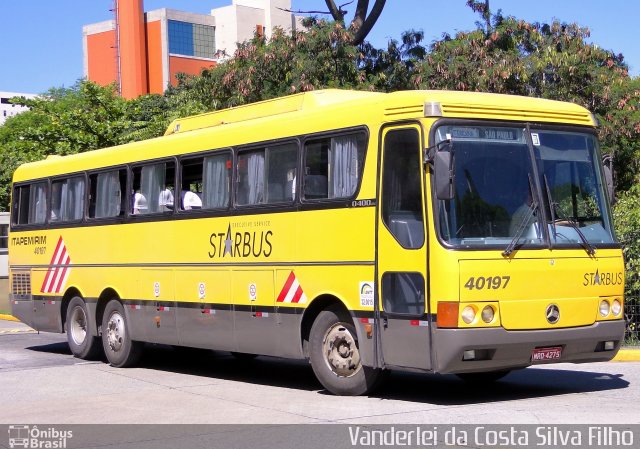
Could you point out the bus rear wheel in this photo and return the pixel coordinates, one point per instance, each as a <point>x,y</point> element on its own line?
<point>120,350</point>
<point>335,356</point>
<point>82,343</point>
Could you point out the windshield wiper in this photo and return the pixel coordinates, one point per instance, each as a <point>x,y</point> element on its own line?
<point>524,224</point>
<point>554,208</point>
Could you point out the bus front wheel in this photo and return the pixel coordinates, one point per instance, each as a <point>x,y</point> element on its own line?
<point>120,350</point>
<point>335,356</point>
<point>82,343</point>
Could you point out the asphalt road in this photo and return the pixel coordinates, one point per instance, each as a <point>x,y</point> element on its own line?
<point>40,381</point>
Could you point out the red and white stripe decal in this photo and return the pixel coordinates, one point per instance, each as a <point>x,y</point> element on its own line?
<point>209,311</point>
<point>366,320</point>
<point>419,323</point>
<point>59,270</point>
<point>261,314</point>
<point>292,291</point>
<point>135,307</point>
<point>164,309</point>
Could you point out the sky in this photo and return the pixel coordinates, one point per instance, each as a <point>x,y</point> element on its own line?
<point>41,40</point>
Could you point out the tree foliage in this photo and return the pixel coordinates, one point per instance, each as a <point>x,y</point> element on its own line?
<point>502,54</point>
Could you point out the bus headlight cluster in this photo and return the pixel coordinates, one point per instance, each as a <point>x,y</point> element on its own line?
<point>614,308</point>
<point>604,307</point>
<point>488,314</point>
<point>468,314</point>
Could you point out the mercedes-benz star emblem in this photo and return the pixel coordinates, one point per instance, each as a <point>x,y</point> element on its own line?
<point>553,314</point>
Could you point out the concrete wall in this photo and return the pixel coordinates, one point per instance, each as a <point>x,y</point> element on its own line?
<point>4,296</point>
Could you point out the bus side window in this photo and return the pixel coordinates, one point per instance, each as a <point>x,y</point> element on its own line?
<point>333,166</point>
<point>216,181</point>
<point>107,194</point>
<point>67,199</point>
<point>250,189</point>
<point>153,187</point>
<point>30,204</point>
<point>281,162</point>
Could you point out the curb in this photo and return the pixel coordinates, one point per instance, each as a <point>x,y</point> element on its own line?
<point>8,317</point>
<point>627,355</point>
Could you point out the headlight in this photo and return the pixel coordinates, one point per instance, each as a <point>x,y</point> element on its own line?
<point>604,307</point>
<point>468,314</point>
<point>487,314</point>
<point>616,307</point>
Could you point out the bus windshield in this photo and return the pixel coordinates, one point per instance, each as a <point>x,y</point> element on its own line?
<point>497,198</point>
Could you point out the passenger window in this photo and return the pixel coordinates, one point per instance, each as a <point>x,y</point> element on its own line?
<point>281,173</point>
<point>30,204</point>
<point>67,200</point>
<point>401,188</point>
<point>333,166</point>
<point>107,198</point>
<point>205,182</point>
<point>153,187</point>
<point>216,181</point>
<point>276,164</point>
<point>403,293</point>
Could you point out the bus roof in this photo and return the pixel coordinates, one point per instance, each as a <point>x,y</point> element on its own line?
<point>312,112</point>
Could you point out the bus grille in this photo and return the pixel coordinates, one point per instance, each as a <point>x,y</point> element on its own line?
<point>21,284</point>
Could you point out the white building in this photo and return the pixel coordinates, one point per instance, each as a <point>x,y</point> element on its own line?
<point>239,21</point>
<point>9,110</point>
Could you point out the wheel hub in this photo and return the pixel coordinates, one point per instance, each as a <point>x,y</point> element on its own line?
<point>341,351</point>
<point>78,326</point>
<point>115,332</point>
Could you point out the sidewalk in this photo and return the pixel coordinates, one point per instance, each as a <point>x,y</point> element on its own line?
<point>9,324</point>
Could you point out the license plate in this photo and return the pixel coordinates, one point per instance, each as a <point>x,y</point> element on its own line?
<point>544,354</point>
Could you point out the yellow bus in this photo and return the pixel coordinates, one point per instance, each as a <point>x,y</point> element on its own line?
<point>430,231</point>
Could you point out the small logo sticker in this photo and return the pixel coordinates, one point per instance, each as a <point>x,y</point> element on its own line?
<point>202,290</point>
<point>535,139</point>
<point>253,292</point>
<point>366,294</point>
<point>156,289</point>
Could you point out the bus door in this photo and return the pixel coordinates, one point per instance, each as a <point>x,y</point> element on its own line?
<point>401,251</point>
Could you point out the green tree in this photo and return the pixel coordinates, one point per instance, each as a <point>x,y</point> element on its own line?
<point>62,121</point>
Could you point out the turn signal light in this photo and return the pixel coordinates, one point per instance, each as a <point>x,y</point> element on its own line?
<point>448,314</point>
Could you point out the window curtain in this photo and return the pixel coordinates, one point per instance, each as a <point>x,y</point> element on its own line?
<point>108,195</point>
<point>343,161</point>
<point>255,172</point>
<point>72,199</point>
<point>215,185</point>
<point>151,184</point>
<point>37,203</point>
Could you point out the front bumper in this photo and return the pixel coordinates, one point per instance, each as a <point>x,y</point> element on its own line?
<point>505,350</point>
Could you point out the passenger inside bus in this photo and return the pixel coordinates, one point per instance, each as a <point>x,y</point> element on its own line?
<point>190,200</point>
<point>139,203</point>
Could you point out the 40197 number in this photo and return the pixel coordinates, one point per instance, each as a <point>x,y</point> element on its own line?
<point>487,282</point>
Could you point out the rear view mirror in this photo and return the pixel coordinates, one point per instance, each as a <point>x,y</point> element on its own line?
<point>443,167</point>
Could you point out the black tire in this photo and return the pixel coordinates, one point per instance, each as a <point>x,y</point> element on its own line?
<point>339,368</point>
<point>80,331</point>
<point>120,350</point>
<point>485,377</point>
